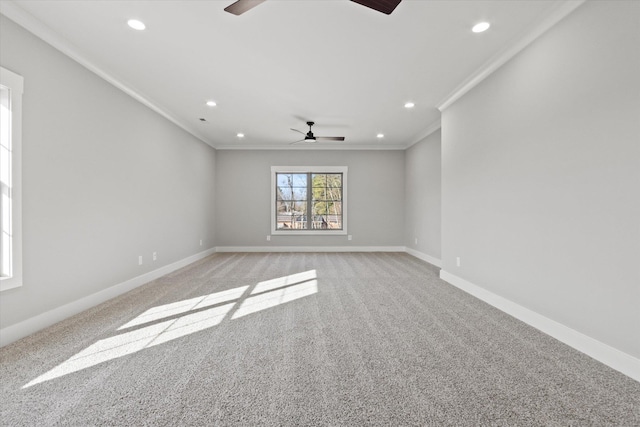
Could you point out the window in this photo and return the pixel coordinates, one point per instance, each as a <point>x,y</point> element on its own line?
<point>308,200</point>
<point>10,182</point>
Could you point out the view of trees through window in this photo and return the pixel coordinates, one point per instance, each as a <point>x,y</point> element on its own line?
<point>309,201</point>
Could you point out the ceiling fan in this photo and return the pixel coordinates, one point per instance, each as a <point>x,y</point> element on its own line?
<point>309,137</point>
<point>384,6</point>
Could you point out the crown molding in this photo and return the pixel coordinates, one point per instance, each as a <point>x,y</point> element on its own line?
<point>433,127</point>
<point>29,22</point>
<point>560,11</point>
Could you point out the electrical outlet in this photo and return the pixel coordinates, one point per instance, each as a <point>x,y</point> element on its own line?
<point>268,238</point>
<point>458,261</point>
<point>200,242</point>
<point>416,240</point>
<point>155,256</point>
<point>140,260</point>
<point>349,237</point>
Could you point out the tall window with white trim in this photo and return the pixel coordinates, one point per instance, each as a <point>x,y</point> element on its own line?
<point>11,86</point>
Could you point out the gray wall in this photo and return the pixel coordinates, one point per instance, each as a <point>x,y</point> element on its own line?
<point>423,196</point>
<point>105,179</point>
<point>541,177</point>
<point>375,196</point>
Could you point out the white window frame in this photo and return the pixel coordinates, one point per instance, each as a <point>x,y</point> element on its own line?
<point>308,169</point>
<point>11,190</point>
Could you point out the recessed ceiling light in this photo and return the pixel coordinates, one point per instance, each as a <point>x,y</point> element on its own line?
<point>136,25</point>
<point>480,27</point>
<point>380,135</point>
<point>211,103</point>
<point>240,135</point>
<point>409,105</point>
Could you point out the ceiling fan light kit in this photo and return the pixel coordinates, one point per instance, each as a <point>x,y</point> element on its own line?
<point>310,137</point>
<point>384,6</point>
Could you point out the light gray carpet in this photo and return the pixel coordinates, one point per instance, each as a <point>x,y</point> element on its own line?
<point>377,339</point>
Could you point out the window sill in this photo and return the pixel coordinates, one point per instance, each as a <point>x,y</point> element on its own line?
<point>7,283</point>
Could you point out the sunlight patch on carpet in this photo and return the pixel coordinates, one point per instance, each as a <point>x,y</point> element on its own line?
<point>184,306</point>
<point>280,296</point>
<point>194,317</point>
<point>134,341</point>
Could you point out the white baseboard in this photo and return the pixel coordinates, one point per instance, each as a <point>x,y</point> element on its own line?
<point>603,353</point>
<point>27,327</point>
<point>424,257</point>
<point>310,249</point>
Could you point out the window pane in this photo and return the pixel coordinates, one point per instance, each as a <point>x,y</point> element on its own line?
<point>299,207</point>
<point>284,215</point>
<point>334,194</point>
<point>284,206</point>
<point>284,193</point>
<point>300,216</point>
<point>334,180</point>
<point>300,193</point>
<point>319,180</point>
<point>334,222</point>
<point>320,208</point>
<point>299,180</point>
<point>320,222</point>
<point>319,193</point>
<point>283,179</point>
<point>291,215</point>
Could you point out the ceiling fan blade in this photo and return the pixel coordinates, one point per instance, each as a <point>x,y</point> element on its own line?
<point>296,130</point>
<point>384,6</point>
<point>329,138</point>
<point>241,6</point>
<point>295,142</point>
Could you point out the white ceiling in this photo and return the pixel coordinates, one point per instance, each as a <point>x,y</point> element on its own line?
<point>346,67</point>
